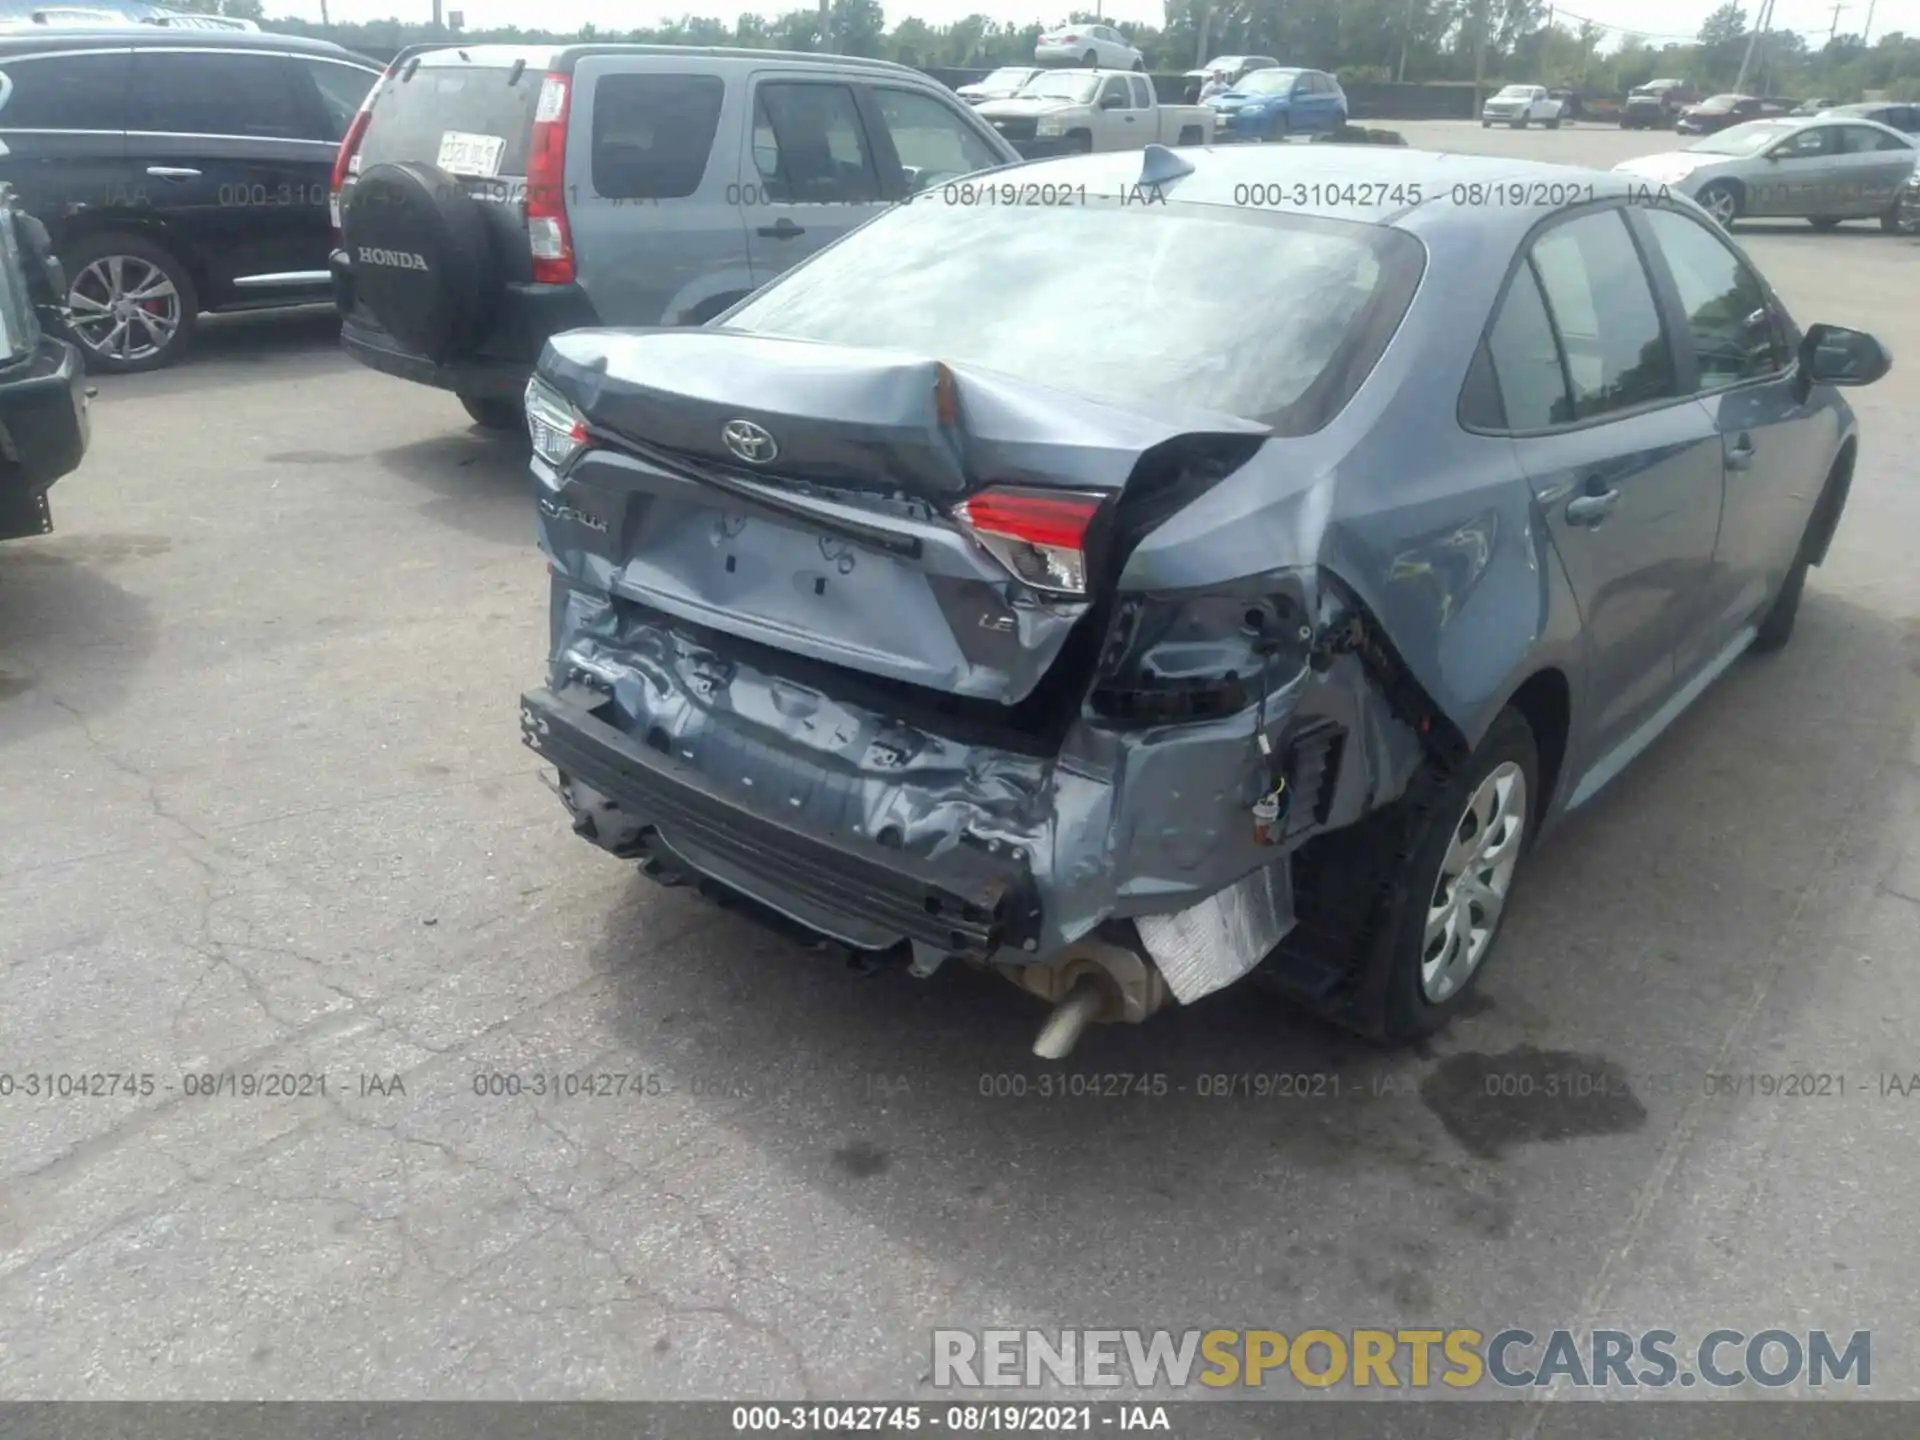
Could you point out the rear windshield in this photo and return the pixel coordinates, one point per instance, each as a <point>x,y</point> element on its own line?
<point>411,116</point>
<point>1031,292</point>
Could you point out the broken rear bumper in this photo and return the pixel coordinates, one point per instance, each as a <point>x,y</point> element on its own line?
<point>965,903</point>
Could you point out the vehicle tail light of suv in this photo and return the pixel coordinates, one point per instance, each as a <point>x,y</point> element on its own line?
<point>343,162</point>
<point>548,233</point>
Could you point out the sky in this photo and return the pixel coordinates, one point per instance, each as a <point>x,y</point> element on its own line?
<point>1659,19</point>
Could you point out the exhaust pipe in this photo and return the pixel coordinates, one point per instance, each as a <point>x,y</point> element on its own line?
<point>1070,1018</point>
<point>1097,982</point>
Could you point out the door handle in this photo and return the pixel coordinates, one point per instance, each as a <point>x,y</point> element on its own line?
<point>1740,452</point>
<point>1593,507</point>
<point>172,172</point>
<point>785,230</point>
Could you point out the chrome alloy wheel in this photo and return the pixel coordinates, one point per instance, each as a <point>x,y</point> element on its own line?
<point>1719,203</point>
<point>124,308</point>
<point>1475,874</point>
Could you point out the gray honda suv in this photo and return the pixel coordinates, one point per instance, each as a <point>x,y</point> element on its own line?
<point>488,197</point>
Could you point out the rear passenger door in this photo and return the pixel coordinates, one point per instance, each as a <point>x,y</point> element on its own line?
<point>1626,470</point>
<point>230,149</point>
<point>656,215</point>
<point>808,173</point>
<point>1869,170</point>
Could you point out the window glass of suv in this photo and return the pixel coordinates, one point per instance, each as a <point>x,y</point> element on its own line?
<point>1602,305</point>
<point>1526,360</point>
<point>203,92</point>
<point>932,142</point>
<point>342,89</point>
<point>1728,312</point>
<point>809,146</point>
<point>410,115</point>
<point>652,134</point>
<point>65,92</point>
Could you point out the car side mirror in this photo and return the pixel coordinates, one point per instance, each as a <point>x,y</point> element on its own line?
<point>1109,102</point>
<point>1836,355</point>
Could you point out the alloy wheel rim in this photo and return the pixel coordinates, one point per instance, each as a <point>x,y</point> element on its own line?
<point>124,308</point>
<point>1476,872</point>
<point>1720,205</point>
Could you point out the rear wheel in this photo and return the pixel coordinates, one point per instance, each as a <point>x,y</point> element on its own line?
<point>1139,67</point>
<point>1092,59</point>
<point>133,304</point>
<point>1891,222</point>
<point>493,412</point>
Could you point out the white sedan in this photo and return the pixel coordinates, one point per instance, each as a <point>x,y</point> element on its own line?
<point>1094,47</point>
<point>1521,106</point>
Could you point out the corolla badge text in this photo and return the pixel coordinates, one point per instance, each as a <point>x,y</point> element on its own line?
<point>555,511</point>
<point>749,442</point>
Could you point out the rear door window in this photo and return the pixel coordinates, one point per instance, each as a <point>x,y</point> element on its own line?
<point>809,145</point>
<point>342,90</point>
<point>66,92</point>
<point>1142,91</point>
<point>200,92</point>
<point>1603,308</point>
<point>652,134</point>
<point>410,116</point>
<point>1526,361</point>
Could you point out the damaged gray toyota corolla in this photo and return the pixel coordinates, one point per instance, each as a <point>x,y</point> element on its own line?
<point>1138,592</point>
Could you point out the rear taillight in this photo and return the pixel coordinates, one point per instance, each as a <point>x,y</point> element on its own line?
<point>556,429</point>
<point>548,233</point>
<point>346,162</point>
<point>1040,535</point>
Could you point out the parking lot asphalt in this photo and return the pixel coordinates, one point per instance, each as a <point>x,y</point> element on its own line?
<point>264,810</point>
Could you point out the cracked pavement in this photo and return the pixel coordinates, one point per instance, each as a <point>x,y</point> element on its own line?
<point>263,810</point>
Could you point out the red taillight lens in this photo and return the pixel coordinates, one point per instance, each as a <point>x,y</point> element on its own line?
<point>343,162</point>
<point>548,234</point>
<point>1040,535</point>
<point>1069,39</point>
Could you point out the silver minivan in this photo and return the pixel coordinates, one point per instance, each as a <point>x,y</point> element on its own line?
<point>488,197</point>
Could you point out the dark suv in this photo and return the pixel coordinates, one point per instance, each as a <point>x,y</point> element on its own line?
<point>1656,105</point>
<point>177,171</point>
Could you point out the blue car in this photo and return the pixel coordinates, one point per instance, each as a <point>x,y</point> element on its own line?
<point>1273,104</point>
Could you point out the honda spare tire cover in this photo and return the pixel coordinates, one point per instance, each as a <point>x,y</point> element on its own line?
<point>422,262</point>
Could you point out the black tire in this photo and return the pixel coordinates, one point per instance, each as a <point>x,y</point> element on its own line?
<point>1486,124</point>
<point>494,413</point>
<point>1367,889</point>
<point>1824,222</point>
<point>1721,187</point>
<point>1399,1012</point>
<point>1553,124</point>
<point>1890,222</point>
<point>1139,67</point>
<point>422,261</point>
<point>1092,57</point>
<point>97,338</point>
<point>1079,143</point>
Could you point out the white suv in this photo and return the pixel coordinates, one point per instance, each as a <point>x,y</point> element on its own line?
<point>1521,106</point>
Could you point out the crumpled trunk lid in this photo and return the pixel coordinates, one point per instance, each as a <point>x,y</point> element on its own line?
<point>801,496</point>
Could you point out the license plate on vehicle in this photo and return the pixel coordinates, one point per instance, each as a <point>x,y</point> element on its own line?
<point>464,154</point>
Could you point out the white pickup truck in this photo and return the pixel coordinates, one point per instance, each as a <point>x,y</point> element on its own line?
<point>1068,112</point>
<point>1521,106</point>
